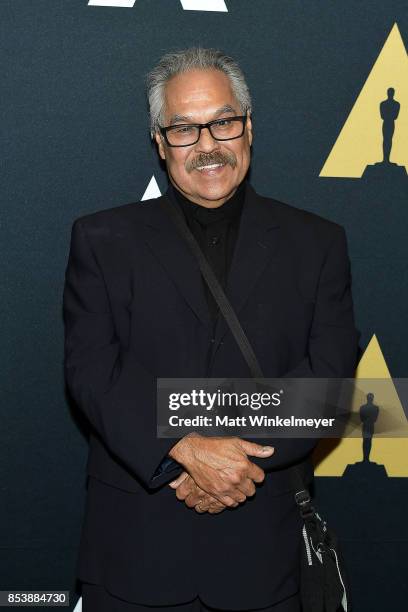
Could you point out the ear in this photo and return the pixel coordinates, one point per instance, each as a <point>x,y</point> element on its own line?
<point>160,146</point>
<point>248,127</point>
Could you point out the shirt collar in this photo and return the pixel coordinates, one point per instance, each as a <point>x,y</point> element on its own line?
<point>230,210</point>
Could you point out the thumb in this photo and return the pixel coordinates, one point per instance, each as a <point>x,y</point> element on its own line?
<point>175,483</point>
<point>256,450</point>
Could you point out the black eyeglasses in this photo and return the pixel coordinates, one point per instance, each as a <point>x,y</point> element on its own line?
<point>186,134</point>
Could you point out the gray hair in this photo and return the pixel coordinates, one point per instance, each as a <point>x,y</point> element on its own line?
<point>191,59</point>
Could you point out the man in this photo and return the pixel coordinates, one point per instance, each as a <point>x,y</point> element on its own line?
<point>202,522</point>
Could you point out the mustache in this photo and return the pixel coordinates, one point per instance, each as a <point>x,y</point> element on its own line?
<point>216,157</point>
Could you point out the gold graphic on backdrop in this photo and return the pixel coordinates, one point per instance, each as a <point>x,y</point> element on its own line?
<point>374,138</point>
<point>333,456</point>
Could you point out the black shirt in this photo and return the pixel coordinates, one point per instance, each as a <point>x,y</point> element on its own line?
<point>215,230</point>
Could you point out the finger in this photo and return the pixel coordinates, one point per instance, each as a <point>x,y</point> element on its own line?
<point>237,495</point>
<point>196,496</point>
<point>215,505</point>
<point>216,509</point>
<point>255,473</point>
<point>247,487</point>
<point>208,502</point>
<point>186,487</point>
<point>202,506</point>
<point>175,483</point>
<point>228,501</point>
<point>256,450</point>
<point>233,492</point>
<point>193,499</point>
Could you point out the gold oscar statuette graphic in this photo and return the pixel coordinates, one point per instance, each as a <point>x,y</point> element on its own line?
<point>374,139</point>
<point>382,438</point>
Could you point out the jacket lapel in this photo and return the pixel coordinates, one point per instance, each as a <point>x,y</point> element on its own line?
<point>176,258</point>
<point>256,244</point>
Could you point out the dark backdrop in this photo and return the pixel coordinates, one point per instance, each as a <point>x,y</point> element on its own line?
<point>75,139</point>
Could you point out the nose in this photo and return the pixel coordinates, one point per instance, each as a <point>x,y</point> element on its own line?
<point>206,141</point>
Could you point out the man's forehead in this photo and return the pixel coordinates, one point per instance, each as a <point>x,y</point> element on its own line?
<point>197,93</point>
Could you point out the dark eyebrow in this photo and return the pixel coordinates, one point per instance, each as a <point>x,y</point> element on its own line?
<point>227,108</point>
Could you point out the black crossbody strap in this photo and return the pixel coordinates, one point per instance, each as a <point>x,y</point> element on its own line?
<point>302,495</point>
<point>218,293</point>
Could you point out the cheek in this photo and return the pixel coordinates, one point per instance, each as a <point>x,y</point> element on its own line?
<point>246,155</point>
<point>241,153</point>
<point>177,162</point>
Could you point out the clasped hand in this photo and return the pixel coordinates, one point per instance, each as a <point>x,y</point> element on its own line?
<point>217,472</point>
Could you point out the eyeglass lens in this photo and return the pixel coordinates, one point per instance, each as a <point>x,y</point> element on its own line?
<point>189,134</point>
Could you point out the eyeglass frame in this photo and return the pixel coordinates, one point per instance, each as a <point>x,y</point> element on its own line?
<point>200,126</point>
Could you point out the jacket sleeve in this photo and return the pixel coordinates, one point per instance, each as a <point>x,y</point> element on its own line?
<point>333,344</point>
<point>109,384</point>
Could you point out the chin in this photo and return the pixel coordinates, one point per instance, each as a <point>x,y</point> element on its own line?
<point>214,195</point>
<point>215,191</point>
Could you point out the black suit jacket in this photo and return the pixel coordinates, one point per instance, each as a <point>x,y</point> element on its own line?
<point>135,309</point>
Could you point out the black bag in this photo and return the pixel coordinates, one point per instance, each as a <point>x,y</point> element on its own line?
<point>323,586</point>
